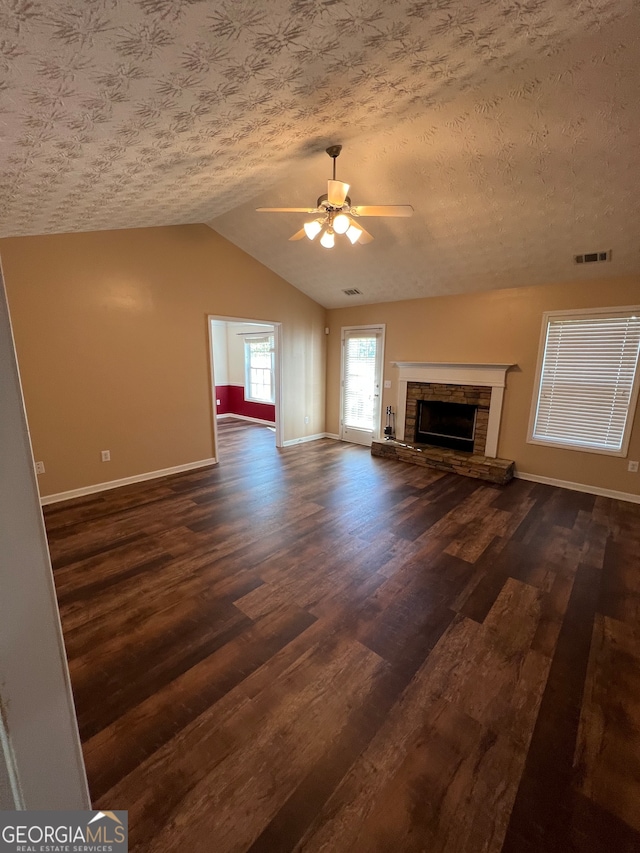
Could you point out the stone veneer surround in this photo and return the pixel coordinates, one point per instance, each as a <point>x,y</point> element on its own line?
<point>474,395</point>
<point>491,376</point>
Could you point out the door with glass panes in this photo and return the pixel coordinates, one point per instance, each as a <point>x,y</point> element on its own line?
<point>362,359</point>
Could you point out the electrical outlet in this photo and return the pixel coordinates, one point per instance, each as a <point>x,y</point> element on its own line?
<point>217,402</point>
<point>39,467</point>
<point>633,467</point>
<point>105,455</point>
<point>387,383</point>
<point>306,419</point>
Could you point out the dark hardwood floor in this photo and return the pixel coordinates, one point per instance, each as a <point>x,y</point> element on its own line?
<point>313,649</point>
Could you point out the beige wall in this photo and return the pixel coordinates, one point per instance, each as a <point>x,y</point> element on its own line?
<point>501,326</point>
<point>112,341</point>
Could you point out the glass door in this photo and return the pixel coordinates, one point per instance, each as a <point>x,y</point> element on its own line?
<point>362,353</point>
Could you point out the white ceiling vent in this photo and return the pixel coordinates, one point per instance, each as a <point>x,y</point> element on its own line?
<point>592,257</point>
<point>353,291</point>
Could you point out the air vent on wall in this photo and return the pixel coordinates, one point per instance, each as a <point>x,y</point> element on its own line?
<point>592,257</point>
<point>352,291</point>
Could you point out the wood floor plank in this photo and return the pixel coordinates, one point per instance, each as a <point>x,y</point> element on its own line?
<point>608,747</point>
<point>121,746</point>
<point>418,786</point>
<point>260,773</point>
<point>542,810</point>
<point>499,681</point>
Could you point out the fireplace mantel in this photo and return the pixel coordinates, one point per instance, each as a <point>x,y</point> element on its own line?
<point>451,373</point>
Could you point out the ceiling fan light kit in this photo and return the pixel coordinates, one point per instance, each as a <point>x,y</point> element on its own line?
<point>328,239</point>
<point>341,223</point>
<point>312,229</point>
<point>354,234</point>
<point>336,212</point>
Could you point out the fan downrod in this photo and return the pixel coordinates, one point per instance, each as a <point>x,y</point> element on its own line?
<point>333,151</point>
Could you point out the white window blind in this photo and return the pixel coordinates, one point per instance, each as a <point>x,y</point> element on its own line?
<point>587,381</point>
<point>360,353</point>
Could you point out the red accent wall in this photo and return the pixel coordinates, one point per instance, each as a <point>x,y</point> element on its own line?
<point>232,402</point>
<point>222,394</point>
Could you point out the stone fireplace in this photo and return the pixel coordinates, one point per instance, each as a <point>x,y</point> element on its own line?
<point>480,384</point>
<point>477,388</point>
<point>472,396</point>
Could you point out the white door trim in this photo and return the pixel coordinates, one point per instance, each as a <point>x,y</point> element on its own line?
<point>277,338</point>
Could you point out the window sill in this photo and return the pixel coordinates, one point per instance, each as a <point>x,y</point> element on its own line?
<point>579,447</point>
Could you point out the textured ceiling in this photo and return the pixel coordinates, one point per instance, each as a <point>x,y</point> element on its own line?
<point>513,128</point>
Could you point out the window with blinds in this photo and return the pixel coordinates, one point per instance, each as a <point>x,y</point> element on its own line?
<point>587,380</point>
<point>258,365</point>
<point>360,364</point>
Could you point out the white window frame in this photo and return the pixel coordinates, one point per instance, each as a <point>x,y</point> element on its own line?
<point>591,313</point>
<point>248,339</point>
<point>377,329</point>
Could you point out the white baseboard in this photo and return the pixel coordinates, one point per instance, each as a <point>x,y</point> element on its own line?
<point>125,481</point>
<point>332,435</point>
<point>304,439</point>
<point>245,418</point>
<point>579,487</point>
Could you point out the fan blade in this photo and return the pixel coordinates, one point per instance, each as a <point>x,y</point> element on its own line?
<point>336,193</point>
<point>365,237</point>
<point>298,235</point>
<point>383,210</point>
<point>287,210</point>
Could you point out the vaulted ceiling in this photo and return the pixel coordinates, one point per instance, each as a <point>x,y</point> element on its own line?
<point>511,126</point>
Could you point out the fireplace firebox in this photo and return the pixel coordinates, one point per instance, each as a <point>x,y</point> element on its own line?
<point>445,424</point>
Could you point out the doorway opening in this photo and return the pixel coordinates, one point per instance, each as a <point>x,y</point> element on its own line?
<point>246,374</point>
<point>361,380</point>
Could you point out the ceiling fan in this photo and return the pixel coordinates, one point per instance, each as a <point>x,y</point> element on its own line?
<point>334,214</point>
